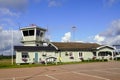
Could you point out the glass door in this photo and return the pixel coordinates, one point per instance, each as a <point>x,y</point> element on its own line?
<point>36,57</point>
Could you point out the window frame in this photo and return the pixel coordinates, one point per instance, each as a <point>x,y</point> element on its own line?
<point>80,54</point>
<point>28,32</point>
<point>31,33</point>
<point>37,32</point>
<point>25,55</point>
<point>25,33</point>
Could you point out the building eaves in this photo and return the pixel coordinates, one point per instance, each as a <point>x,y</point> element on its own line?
<point>34,48</point>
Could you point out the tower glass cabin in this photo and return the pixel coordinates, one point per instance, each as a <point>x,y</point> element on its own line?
<point>33,36</point>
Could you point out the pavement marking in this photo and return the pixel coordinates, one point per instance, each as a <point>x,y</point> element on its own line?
<point>108,69</point>
<point>59,73</point>
<point>18,77</point>
<point>32,75</point>
<point>107,72</point>
<point>52,77</point>
<point>6,78</point>
<point>49,75</point>
<point>90,75</point>
<point>101,69</point>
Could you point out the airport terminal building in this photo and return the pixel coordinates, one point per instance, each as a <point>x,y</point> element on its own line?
<point>36,49</point>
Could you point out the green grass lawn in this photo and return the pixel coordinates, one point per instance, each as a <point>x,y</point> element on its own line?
<point>6,63</point>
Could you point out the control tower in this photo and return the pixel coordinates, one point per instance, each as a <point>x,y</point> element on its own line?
<point>33,36</point>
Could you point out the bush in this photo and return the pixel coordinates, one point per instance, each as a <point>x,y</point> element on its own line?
<point>117,58</point>
<point>96,60</point>
<point>6,57</point>
<point>105,60</point>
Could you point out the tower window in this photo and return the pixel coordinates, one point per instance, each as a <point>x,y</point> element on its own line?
<point>25,33</point>
<point>28,33</point>
<point>41,34</point>
<point>31,32</point>
<point>38,32</point>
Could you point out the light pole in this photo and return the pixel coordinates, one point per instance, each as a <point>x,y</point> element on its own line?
<point>73,30</point>
<point>0,29</point>
<point>12,45</point>
<point>2,42</point>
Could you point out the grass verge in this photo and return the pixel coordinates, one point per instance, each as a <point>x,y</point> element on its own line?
<point>6,63</point>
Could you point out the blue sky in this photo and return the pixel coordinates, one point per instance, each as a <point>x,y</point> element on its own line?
<point>90,17</point>
<point>95,20</point>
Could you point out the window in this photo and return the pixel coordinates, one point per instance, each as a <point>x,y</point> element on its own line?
<point>38,32</point>
<point>104,53</point>
<point>94,53</point>
<point>41,34</point>
<point>37,44</point>
<point>71,55</point>
<point>31,32</point>
<point>25,33</point>
<point>25,55</point>
<point>44,54</point>
<point>66,54</point>
<point>80,54</point>
<point>28,33</point>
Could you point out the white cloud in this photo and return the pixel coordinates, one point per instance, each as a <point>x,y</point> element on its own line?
<point>5,11</point>
<point>111,35</point>
<point>10,10</point>
<point>99,38</point>
<point>80,41</point>
<point>19,5</point>
<point>66,37</point>
<point>53,3</point>
<point>8,22</point>
<point>110,2</point>
<point>6,39</point>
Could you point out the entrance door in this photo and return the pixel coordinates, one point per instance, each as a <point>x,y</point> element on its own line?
<point>36,57</point>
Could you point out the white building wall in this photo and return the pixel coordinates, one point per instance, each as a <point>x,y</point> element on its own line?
<point>29,44</point>
<point>102,50</point>
<point>31,58</point>
<point>65,58</point>
<point>60,55</point>
<point>18,57</point>
<point>28,38</point>
<point>87,55</point>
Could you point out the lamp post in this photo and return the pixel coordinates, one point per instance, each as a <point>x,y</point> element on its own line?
<point>2,42</point>
<point>12,46</point>
<point>0,29</point>
<point>73,30</point>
